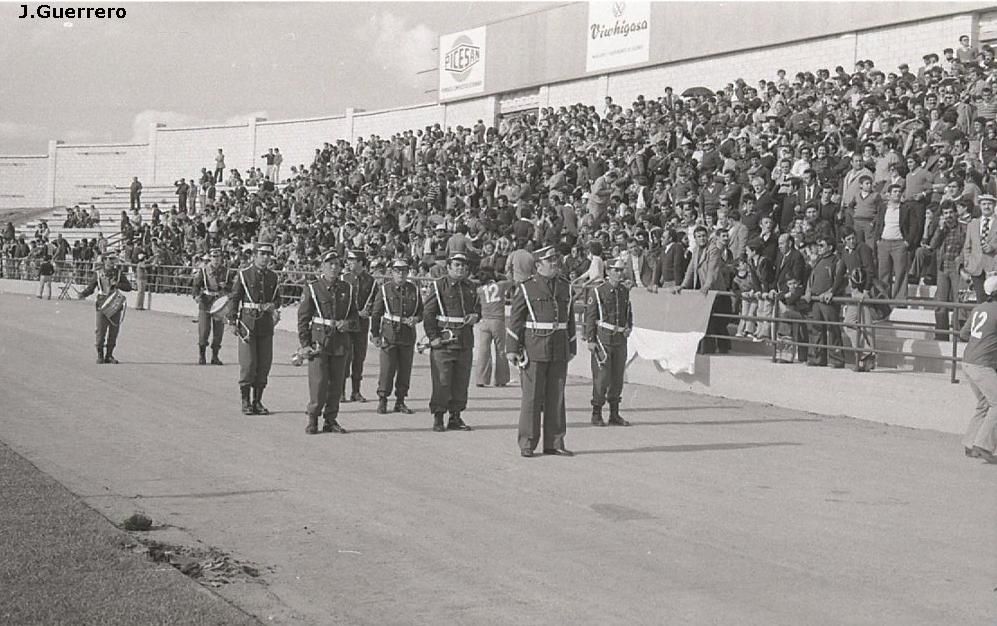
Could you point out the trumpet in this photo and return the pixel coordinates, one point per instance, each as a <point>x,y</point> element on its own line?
<point>601,355</point>
<point>304,354</point>
<point>446,336</point>
<point>522,361</point>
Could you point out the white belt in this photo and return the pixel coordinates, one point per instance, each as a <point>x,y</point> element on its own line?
<point>611,327</point>
<point>546,325</point>
<point>323,321</point>
<point>211,293</point>
<point>446,319</point>
<point>392,318</point>
<point>252,305</point>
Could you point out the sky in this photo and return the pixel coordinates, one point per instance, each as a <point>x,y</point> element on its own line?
<point>89,80</point>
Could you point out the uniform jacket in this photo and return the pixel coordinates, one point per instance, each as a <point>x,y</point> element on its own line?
<point>544,301</point>
<point>105,284</point>
<point>363,293</point>
<point>329,301</point>
<point>208,284</point>
<point>976,260</point>
<point>392,303</point>
<point>453,300</point>
<point>608,306</point>
<point>252,288</point>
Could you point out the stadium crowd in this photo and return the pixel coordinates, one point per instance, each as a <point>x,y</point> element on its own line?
<point>787,192</point>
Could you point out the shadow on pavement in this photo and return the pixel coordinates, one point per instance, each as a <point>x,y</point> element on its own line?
<point>697,447</point>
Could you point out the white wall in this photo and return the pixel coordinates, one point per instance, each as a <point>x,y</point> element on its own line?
<point>82,171</point>
<point>22,181</point>
<point>386,123</point>
<point>182,152</point>
<point>298,139</point>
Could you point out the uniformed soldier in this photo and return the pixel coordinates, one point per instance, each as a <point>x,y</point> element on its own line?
<point>109,282</point>
<point>253,313</point>
<point>363,291</point>
<point>451,311</point>
<point>327,322</point>
<point>541,333</point>
<point>608,323</point>
<point>397,309</point>
<point>210,282</point>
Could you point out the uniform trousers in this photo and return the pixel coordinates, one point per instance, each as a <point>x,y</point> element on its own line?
<point>326,373</point>
<point>492,331</point>
<point>107,330</point>
<point>451,372</point>
<point>607,380</point>
<point>209,327</point>
<point>982,431</point>
<point>543,392</point>
<point>255,358</point>
<point>357,356</point>
<point>395,370</point>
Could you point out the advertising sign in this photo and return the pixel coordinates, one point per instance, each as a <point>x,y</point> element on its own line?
<point>618,34</point>
<point>462,63</point>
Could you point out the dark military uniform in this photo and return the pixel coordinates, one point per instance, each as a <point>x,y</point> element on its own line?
<point>542,325</point>
<point>255,296</point>
<point>397,308</point>
<point>322,305</point>
<point>107,284</point>
<point>363,293</point>
<point>446,308</point>
<point>209,283</point>
<point>608,321</point>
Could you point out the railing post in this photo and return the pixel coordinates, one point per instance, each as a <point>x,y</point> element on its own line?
<point>954,338</point>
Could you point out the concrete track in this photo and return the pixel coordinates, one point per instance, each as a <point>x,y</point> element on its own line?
<point>705,511</point>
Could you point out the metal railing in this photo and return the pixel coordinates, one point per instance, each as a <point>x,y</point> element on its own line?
<point>784,332</point>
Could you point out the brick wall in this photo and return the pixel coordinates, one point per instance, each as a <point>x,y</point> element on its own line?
<point>22,181</point>
<point>386,123</point>
<point>182,152</point>
<point>82,171</point>
<point>298,139</point>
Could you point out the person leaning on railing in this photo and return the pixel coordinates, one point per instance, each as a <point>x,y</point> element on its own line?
<point>823,286</point>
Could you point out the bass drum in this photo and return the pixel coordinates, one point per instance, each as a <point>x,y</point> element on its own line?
<point>220,307</point>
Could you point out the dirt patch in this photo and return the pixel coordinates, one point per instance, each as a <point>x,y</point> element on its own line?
<point>209,566</point>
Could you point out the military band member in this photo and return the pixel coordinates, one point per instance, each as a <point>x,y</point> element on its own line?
<point>608,323</point>
<point>541,328</point>
<point>397,309</point>
<point>253,313</point>
<point>109,281</point>
<point>363,292</point>
<point>210,282</point>
<point>451,311</point>
<point>327,322</point>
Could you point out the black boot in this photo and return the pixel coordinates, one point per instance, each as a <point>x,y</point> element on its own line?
<point>614,416</point>
<point>597,416</point>
<point>201,360</point>
<point>456,423</point>
<point>109,357</point>
<point>312,428</point>
<point>100,356</point>
<point>258,407</point>
<point>214,357</point>
<point>438,426</point>
<point>332,426</point>
<point>382,406</point>
<point>247,407</point>
<point>400,407</point>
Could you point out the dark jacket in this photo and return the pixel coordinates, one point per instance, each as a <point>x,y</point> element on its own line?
<point>322,304</point>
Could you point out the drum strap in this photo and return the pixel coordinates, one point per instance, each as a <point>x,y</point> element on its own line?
<point>245,287</point>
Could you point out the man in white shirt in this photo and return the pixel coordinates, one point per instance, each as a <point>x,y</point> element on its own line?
<point>893,233</point>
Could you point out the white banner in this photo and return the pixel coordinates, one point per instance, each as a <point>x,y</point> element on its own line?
<point>618,34</point>
<point>462,63</point>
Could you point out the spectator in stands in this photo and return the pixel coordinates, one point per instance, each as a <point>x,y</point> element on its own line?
<point>135,194</point>
<point>947,246</point>
<point>46,271</point>
<point>979,249</point>
<point>219,166</point>
<point>182,190</point>
<point>269,158</point>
